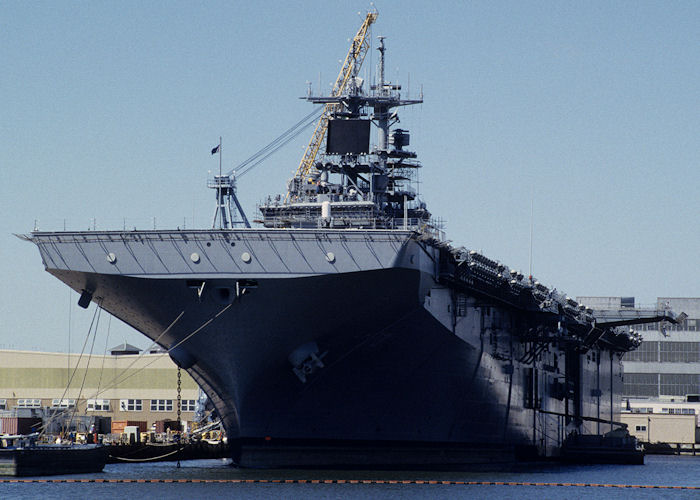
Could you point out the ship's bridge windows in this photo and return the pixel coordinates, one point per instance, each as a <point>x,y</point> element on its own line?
<point>63,403</point>
<point>29,403</point>
<point>161,405</point>
<point>131,405</point>
<point>98,405</point>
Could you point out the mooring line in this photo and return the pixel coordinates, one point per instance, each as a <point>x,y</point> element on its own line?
<point>351,481</point>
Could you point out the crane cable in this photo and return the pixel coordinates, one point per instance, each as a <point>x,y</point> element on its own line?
<point>87,366</point>
<point>264,153</point>
<point>45,425</point>
<point>122,377</point>
<point>117,379</point>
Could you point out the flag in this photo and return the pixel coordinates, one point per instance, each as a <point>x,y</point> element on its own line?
<point>216,149</point>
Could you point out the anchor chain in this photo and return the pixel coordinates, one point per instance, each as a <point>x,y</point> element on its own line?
<point>179,406</point>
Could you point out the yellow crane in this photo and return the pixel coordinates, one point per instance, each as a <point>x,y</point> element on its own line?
<point>352,64</point>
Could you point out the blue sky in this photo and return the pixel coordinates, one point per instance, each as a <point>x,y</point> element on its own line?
<point>589,110</point>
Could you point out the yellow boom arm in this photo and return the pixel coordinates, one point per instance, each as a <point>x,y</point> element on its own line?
<point>353,62</point>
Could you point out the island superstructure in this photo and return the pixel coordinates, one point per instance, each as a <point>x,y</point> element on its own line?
<point>346,329</point>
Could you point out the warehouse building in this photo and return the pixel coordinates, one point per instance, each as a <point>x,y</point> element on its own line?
<point>123,385</point>
<point>661,428</point>
<point>661,398</point>
<point>667,363</point>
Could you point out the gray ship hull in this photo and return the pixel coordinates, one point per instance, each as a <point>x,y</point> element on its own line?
<point>329,348</point>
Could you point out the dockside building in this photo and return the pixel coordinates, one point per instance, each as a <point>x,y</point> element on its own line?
<point>667,363</point>
<point>661,399</point>
<point>122,385</point>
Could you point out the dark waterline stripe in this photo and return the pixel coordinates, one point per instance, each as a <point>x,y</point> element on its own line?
<point>348,481</point>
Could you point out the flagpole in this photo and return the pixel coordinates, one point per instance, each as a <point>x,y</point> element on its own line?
<point>221,201</point>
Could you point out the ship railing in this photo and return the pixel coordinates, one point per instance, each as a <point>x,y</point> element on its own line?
<point>409,223</point>
<point>220,181</point>
<point>361,219</point>
<point>428,228</point>
<point>119,224</point>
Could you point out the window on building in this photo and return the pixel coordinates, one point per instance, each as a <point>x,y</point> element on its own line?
<point>648,352</point>
<point>63,403</point>
<point>641,428</point>
<point>29,403</point>
<point>161,405</point>
<point>679,384</point>
<point>98,405</point>
<point>131,405</point>
<point>189,405</point>
<point>641,384</point>
<point>679,352</point>
<point>3,404</point>
<point>681,411</point>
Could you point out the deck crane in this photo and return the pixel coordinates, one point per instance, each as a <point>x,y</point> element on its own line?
<point>349,70</point>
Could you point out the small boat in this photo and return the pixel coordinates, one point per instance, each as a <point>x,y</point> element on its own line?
<point>616,447</point>
<point>21,456</point>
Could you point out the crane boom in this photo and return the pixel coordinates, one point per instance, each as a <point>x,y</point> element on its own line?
<point>351,65</point>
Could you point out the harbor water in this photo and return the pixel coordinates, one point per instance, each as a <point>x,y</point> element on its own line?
<point>661,477</point>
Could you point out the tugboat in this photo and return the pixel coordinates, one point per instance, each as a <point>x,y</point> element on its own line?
<point>348,330</point>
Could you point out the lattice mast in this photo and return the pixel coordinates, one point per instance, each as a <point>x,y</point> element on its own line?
<point>349,70</point>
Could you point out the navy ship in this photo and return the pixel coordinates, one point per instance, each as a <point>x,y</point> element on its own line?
<point>346,330</point>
